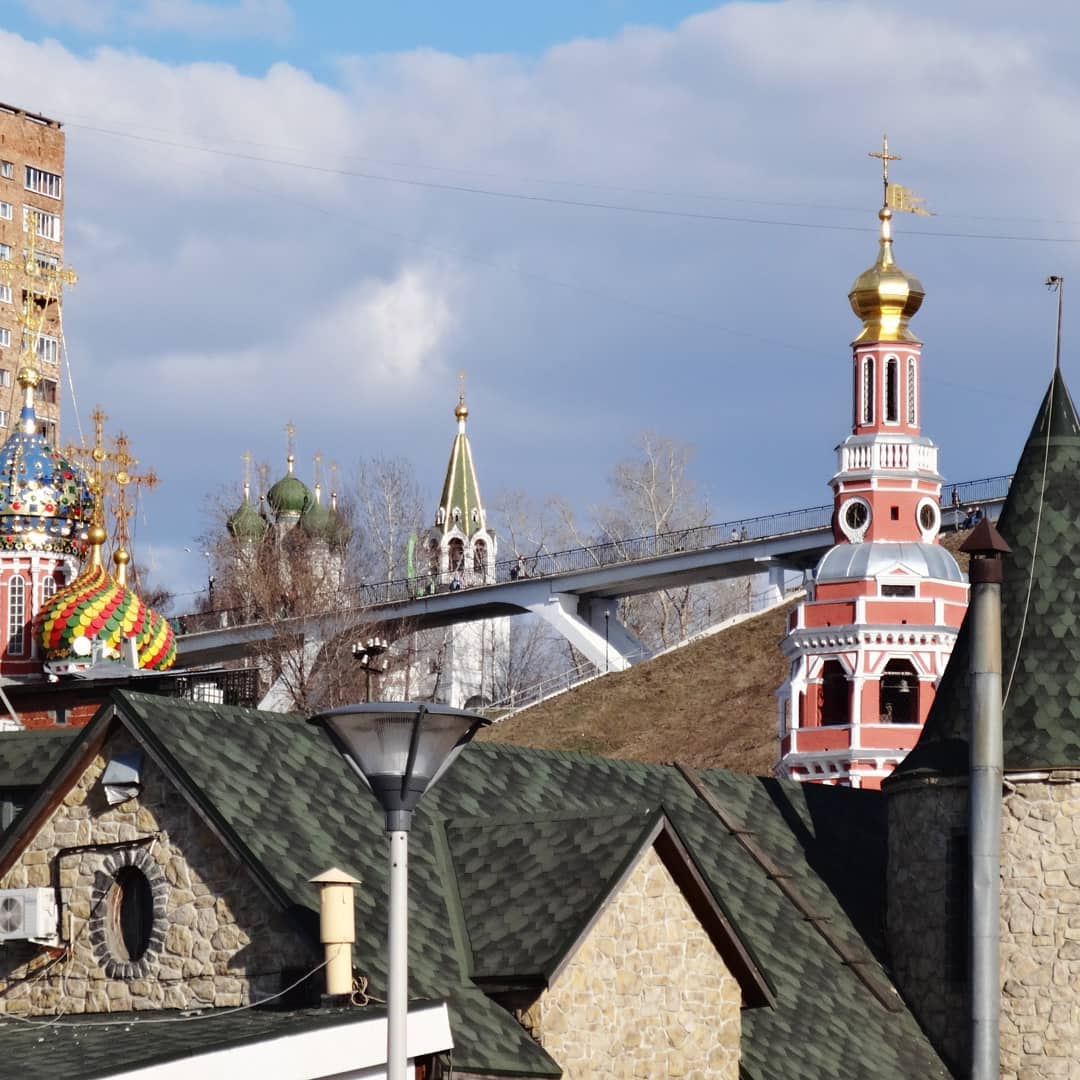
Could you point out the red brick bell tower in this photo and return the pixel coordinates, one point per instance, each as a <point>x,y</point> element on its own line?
<point>867,647</point>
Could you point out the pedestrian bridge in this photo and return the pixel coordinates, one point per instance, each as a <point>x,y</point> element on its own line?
<point>576,590</point>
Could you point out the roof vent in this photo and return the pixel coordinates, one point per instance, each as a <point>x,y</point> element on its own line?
<point>122,779</point>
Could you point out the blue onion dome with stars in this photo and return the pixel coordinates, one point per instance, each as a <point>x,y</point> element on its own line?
<point>45,500</point>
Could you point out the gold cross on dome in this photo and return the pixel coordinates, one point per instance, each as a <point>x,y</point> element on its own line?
<point>290,437</point>
<point>461,387</point>
<point>884,157</point>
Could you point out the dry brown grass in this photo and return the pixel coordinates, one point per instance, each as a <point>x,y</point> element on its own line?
<point>709,704</point>
<point>712,703</point>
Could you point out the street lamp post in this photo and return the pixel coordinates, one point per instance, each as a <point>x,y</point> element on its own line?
<point>399,749</point>
<point>372,657</point>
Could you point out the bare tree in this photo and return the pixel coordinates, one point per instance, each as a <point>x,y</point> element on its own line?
<point>389,505</point>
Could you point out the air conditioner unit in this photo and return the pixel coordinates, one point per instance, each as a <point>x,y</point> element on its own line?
<point>27,913</point>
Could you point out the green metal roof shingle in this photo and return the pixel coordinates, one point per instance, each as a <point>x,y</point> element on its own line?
<point>274,786</point>
<point>1040,601</point>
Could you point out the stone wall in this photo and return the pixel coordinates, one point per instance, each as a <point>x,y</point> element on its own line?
<point>1040,929</point>
<point>646,995</point>
<point>214,940</point>
<point>923,817</point>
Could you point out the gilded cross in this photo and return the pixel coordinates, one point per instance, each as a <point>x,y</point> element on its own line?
<point>461,387</point>
<point>884,157</point>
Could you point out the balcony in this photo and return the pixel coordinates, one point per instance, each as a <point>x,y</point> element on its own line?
<point>884,454</point>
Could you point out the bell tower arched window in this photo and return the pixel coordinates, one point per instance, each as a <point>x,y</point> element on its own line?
<point>892,390</point>
<point>868,390</point>
<point>835,694</point>
<point>480,557</point>
<point>912,392</point>
<point>16,638</point>
<point>899,693</point>
<point>457,555</point>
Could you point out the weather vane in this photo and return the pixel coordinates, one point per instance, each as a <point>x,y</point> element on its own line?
<point>897,197</point>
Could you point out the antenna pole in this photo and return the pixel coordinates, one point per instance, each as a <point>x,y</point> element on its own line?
<point>1057,283</point>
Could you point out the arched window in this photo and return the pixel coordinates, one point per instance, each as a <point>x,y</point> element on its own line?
<point>892,390</point>
<point>912,391</point>
<point>868,390</point>
<point>16,639</point>
<point>899,693</point>
<point>457,555</point>
<point>48,588</point>
<point>480,557</point>
<point>835,694</point>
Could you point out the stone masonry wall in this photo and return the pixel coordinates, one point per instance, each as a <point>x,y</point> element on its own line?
<point>215,938</point>
<point>1040,930</point>
<point>922,818</point>
<point>646,994</point>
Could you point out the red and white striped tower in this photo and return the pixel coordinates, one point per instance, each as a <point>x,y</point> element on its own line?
<point>867,647</point>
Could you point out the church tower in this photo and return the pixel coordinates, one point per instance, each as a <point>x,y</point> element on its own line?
<point>868,646</point>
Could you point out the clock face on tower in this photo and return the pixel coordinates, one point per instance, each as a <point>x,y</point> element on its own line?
<point>854,518</point>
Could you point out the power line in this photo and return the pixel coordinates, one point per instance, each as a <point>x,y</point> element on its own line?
<point>552,200</point>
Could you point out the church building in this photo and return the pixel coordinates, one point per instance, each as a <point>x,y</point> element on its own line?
<point>867,647</point>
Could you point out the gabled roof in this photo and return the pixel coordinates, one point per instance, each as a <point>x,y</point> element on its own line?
<point>281,798</point>
<point>27,757</point>
<point>1040,613</point>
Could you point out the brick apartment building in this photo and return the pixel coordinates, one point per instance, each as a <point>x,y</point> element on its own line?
<point>31,194</point>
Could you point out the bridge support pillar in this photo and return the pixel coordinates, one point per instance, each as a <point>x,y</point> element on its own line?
<point>298,664</point>
<point>607,653</point>
<point>775,592</point>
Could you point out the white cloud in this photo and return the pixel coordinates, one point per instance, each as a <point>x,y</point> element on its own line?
<point>220,295</point>
<point>259,18</point>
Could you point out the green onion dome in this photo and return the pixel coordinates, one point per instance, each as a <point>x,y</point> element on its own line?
<point>290,496</point>
<point>246,523</point>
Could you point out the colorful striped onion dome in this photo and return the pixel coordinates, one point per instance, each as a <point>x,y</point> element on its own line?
<point>97,607</point>
<point>45,500</point>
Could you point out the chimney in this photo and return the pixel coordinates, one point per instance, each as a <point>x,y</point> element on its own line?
<point>986,547</point>
<point>337,930</point>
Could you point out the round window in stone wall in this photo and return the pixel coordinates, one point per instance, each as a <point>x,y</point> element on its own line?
<point>128,913</point>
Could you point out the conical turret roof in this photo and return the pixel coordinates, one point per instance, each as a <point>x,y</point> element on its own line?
<point>459,503</point>
<point>1040,614</point>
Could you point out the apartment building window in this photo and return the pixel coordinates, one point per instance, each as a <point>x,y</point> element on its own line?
<point>44,183</point>
<point>3,418</point>
<point>5,343</point>
<point>5,296</point>
<point>47,430</point>
<point>7,169</point>
<point>46,347</point>
<point>46,391</point>
<point>5,252</point>
<point>5,374</point>
<point>46,261</point>
<point>6,211</point>
<point>47,225</point>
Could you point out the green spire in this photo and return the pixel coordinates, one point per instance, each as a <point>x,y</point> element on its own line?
<point>459,504</point>
<point>1040,628</point>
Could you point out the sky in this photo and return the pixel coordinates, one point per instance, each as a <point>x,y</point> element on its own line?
<point>611,215</point>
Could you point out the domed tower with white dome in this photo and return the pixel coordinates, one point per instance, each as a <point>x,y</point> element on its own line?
<point>46,509</point>
<point>868,646</point>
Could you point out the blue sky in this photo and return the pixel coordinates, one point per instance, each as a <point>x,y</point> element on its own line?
<point>282,213</point>
<point>314,33</point>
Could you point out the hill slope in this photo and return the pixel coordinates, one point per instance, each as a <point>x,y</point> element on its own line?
<point>712,703</point>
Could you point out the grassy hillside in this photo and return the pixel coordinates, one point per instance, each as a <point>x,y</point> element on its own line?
<point>712,703</point>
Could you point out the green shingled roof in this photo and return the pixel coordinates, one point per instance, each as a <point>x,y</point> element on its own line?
<point>27,757</point>
<point>1040,601</point>
<point>287,803</point>
<point>460,489</point>
<point>529,884</point>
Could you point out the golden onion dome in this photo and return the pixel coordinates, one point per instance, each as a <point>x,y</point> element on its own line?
<point>462,410</point>
<point>885,297</point>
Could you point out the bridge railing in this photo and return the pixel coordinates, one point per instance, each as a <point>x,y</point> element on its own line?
<point>611,552</point>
